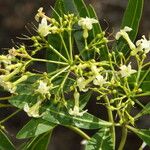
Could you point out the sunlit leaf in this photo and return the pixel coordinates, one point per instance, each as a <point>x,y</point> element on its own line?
<point>41,142</point>
<point>5,143</point>
<point>132,17</point>
<point>87,121</point>
<point>144,134</point>
<point>34,128</point>
<point>102,140</point>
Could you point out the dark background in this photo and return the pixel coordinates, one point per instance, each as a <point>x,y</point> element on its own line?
<point>15,15</point>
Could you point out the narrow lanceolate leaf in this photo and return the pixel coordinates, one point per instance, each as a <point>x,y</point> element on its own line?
<point>145,110</point>
<point>144,134</point>
<point>92,14</point>
<point>34,128</point>
<point>84,99</point>
<point>58,9</point>
<point>96,30</point>
<point>132,17</point>
<point>135,7</point>
<point>81,8</point>
<point>5,143</point>
<point>41,142</point>
<point>25,93</point>
<point>69,6</point>
<point>144,82</point>
<point>87,121</point>
<point>20,100</point>
<point>102,140</point>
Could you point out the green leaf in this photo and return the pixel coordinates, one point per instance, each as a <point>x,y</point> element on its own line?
<point>70,7</point>
<point>34,128</point>
<point>145,110</point>
<point>5,143</point>
<point>81,7</point>
<point>84,98</point>
<point>96,30</point>
<point>87,121</point>
<point>20,100</point>
<point>145,85</point>
<point>77,7</point>
<point>132,17</point>
<point>144,134</point>
<point>92,14</point>
<point>39,143</point>
<point>25,93</point>
<point>58,9</point>
<point>145,78</point>
<point>102,140</point>
<point>50,55</point>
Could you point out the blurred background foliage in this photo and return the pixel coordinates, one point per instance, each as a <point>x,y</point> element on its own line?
<point>16,15</point>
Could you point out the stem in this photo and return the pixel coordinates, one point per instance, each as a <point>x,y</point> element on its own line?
<point>123,138</point>
<point>5,105</point>
<point>64,46</point>
<point>63,70</point>
<point>10,116</point>
<point>64,80</point>
<point>49,61</point>
<point>70,45</point>
<point>80,132</point>
<point>144,76</point>
<point>56,52</point>
<point>86,45</point>
<point>138,74</point>
<point>143,94</point>
<point>5,98</point>
<point>110,115</point>
<point>146,64</point>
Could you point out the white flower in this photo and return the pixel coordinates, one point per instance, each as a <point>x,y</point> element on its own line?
<point>54,29</point>
<point>44,28</point>
<point>123,33</point>
<point>13,66</point>
<point>75,111</point>
<point>84,142</point>
<point>94,69</point>
<point>143,44</point>
<point>87,23</point>
<point>32,111</point>
<point>43,89</point>
<point>99,80</point>
<point>5,59</point>
<point>81,83</point>
<point>8,86</point>
<point>38,15</point>
<point>126,71</point>
<point>143,145</point>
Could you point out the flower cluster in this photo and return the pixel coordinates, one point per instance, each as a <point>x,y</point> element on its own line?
<point>108,78</point>
<point>10,66</point>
